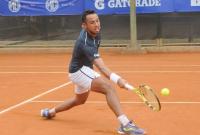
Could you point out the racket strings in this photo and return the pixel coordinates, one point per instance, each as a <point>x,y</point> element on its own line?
<point>149,98</point>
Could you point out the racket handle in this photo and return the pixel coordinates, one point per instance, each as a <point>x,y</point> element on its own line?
<point>129,87</point>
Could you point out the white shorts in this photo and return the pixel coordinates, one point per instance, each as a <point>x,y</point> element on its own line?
<point>83,79</point>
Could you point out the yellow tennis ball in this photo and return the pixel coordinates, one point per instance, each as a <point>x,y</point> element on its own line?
<point>165,92</point>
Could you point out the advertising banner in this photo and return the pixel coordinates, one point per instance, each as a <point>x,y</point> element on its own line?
<point>41,7</point>
<point>123,6</point>
<point>187,5</point>
<point>76,7</point>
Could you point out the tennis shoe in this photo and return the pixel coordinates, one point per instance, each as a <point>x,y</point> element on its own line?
<point>46,114</point>
<point>130,129</point>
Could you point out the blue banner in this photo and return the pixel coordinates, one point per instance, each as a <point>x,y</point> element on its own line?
<point>123,6</point>
<point>41,7</point>
<point>187,5</point>
<point>76,7</point>
<point>154,6</point>
<point>108,6</point>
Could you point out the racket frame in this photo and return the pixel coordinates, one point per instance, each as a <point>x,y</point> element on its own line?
<point>142,97</point>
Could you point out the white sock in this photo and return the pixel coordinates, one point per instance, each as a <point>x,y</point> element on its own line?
<point>123,119</point>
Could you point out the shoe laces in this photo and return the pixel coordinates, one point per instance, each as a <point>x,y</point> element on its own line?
<point>132,124</point>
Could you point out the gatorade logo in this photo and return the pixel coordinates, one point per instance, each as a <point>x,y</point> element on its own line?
<point>99,4</point>
<point>52,5</point>
<point>14,5</point>
<point>148,3</point>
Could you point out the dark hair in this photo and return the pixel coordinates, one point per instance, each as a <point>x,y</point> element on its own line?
<point>85,13</point>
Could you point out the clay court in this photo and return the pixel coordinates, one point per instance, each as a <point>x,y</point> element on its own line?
<point>30,82</point>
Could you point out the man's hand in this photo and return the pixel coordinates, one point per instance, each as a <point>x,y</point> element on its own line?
<point>121,83</point>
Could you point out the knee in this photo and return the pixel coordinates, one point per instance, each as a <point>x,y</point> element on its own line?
<point>108,88</point>
<point>80,101</point>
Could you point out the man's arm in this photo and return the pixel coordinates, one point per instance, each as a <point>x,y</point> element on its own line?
<point>102,67</point>
<point>98,62</point>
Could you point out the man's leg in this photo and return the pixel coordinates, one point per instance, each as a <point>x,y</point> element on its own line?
<point>101,85</point>
<point>78,99</point>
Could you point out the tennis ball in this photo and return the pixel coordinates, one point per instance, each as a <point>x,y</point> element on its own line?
<point>165,92</point>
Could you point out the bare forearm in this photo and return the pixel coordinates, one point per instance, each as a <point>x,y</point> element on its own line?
<point>102,67</point>
<point>108,73</point>
<point>105,71</point>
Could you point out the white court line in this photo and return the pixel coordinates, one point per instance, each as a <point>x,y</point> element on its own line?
<point>138,65</point>
<point>113,65</point>
<point>33,72</point>
<point>23,66</point>
<point>123,102</point>
<point>128,71</point>
<point>159,71</point>
<point>33,98</point>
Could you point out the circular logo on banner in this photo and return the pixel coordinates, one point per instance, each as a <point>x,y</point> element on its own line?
<point>99,4</point>
<point>52,5</point>
<point>14,5</point>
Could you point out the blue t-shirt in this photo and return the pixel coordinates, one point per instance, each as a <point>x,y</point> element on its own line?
<point>85,51</point>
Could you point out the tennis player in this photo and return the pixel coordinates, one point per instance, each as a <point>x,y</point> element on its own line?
<point>85,79</point>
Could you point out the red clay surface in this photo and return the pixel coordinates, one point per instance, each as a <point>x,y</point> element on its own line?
<point>23,76</point>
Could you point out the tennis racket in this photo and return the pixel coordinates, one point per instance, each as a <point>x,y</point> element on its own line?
<point>147,95</point>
